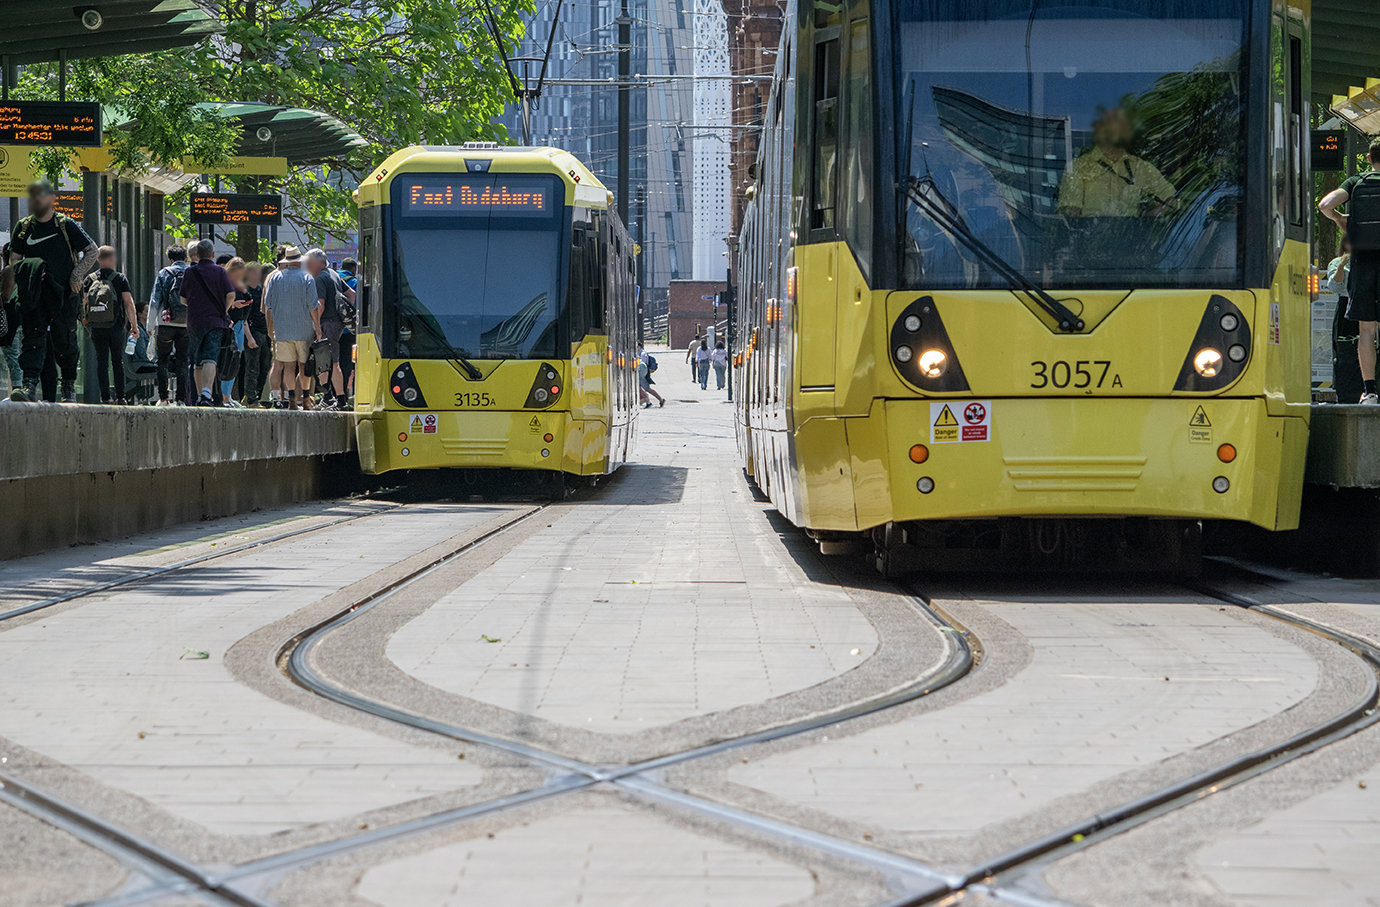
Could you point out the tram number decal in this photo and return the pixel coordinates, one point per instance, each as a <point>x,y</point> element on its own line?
<point>464,399</point>
<point>1084,373</point>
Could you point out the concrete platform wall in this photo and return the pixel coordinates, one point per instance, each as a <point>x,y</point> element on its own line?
<point>74,474</point>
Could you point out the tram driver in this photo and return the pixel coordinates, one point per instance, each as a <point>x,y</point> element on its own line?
<point>1109,181</point>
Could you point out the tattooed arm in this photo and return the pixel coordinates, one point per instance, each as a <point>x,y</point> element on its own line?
<point>83,265</point>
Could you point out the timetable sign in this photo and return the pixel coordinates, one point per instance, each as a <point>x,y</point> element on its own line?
<point>1328,150</point>
<point>72,204</point>
<point>71,123</point>
<point>214,208</point>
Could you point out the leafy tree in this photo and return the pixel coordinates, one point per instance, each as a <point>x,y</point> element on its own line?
<point>395,71</point>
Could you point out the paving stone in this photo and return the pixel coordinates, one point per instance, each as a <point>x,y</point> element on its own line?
<point>103,688</point>
<point>643,609</point>
<point>1094,702</point>
<point>592,858</point>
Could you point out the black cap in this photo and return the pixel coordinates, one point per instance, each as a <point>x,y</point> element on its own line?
<point>41,187</point>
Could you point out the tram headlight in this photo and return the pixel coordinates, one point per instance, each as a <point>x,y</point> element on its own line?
<point>1236,352</point>
<point>1208,362</point>
<point>1229,322</point>
<point>410,395</point>
<point>540,394</point>
<point>903,353</point>
<point>912,323</point>
<point>932,363</point>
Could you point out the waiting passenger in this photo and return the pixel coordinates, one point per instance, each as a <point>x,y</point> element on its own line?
<point>107,309</point>
<point>1109,181</point>
<point>719,359</point>
<point>208,294</point>
<point>167,326</point>
<point>294,322</point>
<point>1364,280</point>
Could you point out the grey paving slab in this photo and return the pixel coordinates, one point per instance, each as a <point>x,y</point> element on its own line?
<point>1111,687</point>
<point>608,857</point>
<point>104,688</point>
<point>41,865</point>
<point>66,570</point>
<point>643,610</point>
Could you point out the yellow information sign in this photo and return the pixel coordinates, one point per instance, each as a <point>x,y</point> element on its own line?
<point>98,159</point>
<point>16,171</point>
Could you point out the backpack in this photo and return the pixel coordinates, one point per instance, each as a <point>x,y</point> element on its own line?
<point>99,302</point>
<point>174,312</point>
<point>651,363</point>
<point>1363,214</point>
<point>343,306</point>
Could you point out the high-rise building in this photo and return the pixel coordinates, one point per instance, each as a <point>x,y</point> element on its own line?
<point>713,138</point>
<point>583,119</point>
<point>754,34</point>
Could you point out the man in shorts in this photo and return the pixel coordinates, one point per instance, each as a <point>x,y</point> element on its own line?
<point>1364,282</point>
<point>293,312</point>
<point>331,290</point>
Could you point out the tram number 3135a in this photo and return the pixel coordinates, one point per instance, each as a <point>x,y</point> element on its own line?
<point>1085,373</point>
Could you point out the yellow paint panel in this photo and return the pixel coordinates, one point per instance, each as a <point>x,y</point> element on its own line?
<point>816,311</point>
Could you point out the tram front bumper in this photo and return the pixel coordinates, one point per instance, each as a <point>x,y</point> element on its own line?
<point>468,439</point>
<point>1101,457</point>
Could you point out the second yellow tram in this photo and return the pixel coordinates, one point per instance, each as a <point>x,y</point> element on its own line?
<point>497,317</point>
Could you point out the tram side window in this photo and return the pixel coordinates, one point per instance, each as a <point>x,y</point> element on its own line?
<point>1297,204</point>
<point>366,254</point>
<point>826,133</point>
<point>857,170</point>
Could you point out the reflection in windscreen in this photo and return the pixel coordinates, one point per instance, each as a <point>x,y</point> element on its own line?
<point>490,294</point>
<point>1087,146</point>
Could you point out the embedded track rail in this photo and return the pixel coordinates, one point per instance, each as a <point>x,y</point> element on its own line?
<point>999,877</point>
<point>156,572</point>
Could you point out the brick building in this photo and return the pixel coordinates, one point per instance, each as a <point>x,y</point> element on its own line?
<point>689,312</point>
<point>754,31</point>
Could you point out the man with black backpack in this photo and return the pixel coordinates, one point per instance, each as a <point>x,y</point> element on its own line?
<point>167,326</point>
<point>107,308</point>
<point>49,256</point>
<point>1361,195</point>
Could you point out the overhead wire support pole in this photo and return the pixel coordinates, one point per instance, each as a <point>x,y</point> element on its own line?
<point>624,107</point>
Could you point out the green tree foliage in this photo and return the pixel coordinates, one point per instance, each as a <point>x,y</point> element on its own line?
<point>395,71</point>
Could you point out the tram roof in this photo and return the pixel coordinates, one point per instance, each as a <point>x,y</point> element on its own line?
<point>38,31</point>
<point>582,186</point>
<point>1346,45</point>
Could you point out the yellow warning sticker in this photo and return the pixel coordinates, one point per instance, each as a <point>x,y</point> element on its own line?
<point>416,428</point>
<point>945,426</point>
<point>1200,427</point>
<point>534,425</point>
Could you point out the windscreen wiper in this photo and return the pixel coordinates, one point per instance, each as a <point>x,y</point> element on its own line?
<point>457,357</point>
<point>926,195</point>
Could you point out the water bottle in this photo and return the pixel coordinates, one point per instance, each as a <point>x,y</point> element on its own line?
<point>129,345</point>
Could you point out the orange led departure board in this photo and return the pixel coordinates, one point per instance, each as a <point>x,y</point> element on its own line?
<point>484,196</point>
<point>1328,153</point>
<point>72,204</point>
<point>213,208</point>
<point>75,123</point>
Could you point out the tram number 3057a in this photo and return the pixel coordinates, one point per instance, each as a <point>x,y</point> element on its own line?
<point>1085,373</point>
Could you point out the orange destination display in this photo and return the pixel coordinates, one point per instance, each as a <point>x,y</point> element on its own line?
<point>483,196</point>
<point>213,208</point>
<point>74,123</point>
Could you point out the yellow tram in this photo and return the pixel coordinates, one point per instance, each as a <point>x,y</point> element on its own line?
<point>497,317</point>
<point>1027,283</point>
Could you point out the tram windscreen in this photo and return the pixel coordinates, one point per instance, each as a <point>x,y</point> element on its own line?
<point>478,265</point>
<point>1092,143</point>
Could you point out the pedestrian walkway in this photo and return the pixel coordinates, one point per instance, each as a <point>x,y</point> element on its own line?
<point>1112,687</point>
<point>132,689</point>
<point>670,595</point>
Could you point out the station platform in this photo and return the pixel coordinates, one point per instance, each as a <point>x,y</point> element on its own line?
<point>86,473</point>
<point>1344,446</point>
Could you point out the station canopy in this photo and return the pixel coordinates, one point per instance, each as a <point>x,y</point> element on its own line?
<point>1346,45</point>
<point>37,31</point>
<point>302,136</point>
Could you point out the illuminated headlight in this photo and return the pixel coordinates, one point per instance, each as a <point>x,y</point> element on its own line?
<point>1208,362</point>
<point>1236,352</point>
<point>1229,322</point>
<point>932,363</point>
<point>903,353</point>
<point>912,323</point>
